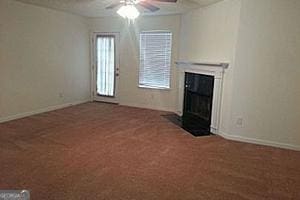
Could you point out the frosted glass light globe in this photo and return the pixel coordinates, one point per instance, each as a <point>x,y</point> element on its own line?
<point>128,11</point>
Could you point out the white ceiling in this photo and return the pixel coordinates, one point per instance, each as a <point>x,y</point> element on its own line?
<point>96,8</point>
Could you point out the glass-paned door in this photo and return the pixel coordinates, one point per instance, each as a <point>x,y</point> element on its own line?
<point>106,70</point>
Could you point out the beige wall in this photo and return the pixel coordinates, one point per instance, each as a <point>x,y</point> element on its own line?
<point>261,41</point>
<point>44,62</point>
<point>266,86</point>
<point>43,53</point>
<point>210,34</point>
<point>129,92</point>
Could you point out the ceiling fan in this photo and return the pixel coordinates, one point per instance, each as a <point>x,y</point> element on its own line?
<point>128,9</point>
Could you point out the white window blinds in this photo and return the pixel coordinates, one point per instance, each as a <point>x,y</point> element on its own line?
<point>155,59</point>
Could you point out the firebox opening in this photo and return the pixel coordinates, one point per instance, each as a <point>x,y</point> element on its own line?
<point>198,97</point>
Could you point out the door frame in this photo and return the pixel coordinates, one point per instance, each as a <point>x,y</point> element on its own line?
<point>94,95</point>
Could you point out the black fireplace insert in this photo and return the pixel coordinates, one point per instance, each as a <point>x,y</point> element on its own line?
<point>198,97</point>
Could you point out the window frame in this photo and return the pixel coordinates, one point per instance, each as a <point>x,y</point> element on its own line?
<point>171,59</point>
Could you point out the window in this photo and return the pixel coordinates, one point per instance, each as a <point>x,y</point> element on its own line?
<point>106,65</point>
<point>155,59</point>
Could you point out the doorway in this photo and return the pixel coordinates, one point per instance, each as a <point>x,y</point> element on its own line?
<point>105,67</point>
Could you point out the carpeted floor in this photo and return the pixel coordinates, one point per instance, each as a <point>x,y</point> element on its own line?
<point>103,151</point>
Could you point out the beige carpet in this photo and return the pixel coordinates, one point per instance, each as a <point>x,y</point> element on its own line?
<point>103,151</point>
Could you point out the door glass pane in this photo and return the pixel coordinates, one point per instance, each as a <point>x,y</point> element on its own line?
<point>106,65</point>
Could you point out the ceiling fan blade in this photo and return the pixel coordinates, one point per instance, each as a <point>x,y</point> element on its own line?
<point>113,5</point>
<point>148,6</point>
<point>168,1</point>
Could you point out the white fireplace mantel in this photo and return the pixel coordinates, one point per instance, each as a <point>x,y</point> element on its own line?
<point>215,69</point>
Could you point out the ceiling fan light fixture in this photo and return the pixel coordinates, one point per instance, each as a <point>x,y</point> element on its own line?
<point>128,11</point>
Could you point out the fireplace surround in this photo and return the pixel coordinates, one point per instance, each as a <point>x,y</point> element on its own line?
<point>209,69</point>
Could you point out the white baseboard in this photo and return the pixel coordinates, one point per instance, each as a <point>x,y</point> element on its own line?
<point>147,107</point>
<point>259,141</point>
<point>179,113</point>
<point>222,134</point>
<point>42,110</point>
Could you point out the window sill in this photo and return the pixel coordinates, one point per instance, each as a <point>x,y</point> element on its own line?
<point>153,87</point>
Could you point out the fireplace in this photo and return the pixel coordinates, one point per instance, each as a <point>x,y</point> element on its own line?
<point>200,94</point>
<point>198,99</point>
